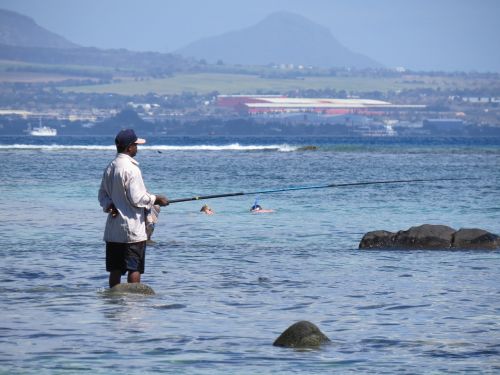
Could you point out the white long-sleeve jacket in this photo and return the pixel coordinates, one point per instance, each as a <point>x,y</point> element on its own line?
<point>123,186</point>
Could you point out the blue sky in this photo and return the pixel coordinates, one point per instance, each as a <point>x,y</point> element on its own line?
<point>418,34</point>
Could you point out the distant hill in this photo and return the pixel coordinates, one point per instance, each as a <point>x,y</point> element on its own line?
<point>281,38</point>
<point>21,31</point>
<point>152,63</point>
<point>21,39</point>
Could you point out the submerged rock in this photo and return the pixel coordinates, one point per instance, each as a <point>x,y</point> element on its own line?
<point>136,288</point>
<point>427,236</point>
<point>302,334</point>
<point>308,148</point>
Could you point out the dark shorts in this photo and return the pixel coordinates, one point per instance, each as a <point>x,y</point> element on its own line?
<point>125,256</point>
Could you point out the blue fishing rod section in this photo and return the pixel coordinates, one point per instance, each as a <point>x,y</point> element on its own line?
<point>269,191</point>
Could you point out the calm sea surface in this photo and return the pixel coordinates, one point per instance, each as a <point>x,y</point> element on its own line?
<point>227,285</point>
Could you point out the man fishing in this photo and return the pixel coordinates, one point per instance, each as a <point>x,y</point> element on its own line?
<point>124,197</point>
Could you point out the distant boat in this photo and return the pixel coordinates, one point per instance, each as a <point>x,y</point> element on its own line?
<point>43,131</point>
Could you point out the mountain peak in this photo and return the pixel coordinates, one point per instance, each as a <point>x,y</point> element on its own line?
<point>289,18</point>
<point>281,37</point>
<point>22,31</point>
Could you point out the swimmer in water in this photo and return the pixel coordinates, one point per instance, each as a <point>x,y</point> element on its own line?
<point>257,209</point>
<point>207,210</point>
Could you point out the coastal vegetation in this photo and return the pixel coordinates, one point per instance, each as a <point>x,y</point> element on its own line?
<point>201,78</point>
<point>229,83</point>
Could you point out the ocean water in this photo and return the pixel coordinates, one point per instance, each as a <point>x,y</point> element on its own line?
<point>227,285</point>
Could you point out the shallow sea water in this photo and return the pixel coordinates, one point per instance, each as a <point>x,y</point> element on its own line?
<point>227,285</point>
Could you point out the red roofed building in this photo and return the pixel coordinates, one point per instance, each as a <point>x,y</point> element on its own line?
<point>262,104</point>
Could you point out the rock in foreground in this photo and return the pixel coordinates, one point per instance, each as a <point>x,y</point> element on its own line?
<point>136,288</point>
<point>302,334</point>
<point>431,237</point>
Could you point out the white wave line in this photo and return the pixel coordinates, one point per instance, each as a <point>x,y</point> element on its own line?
<point>229,147</point>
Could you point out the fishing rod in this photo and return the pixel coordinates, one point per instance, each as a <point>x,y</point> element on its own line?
<point>201,197</point>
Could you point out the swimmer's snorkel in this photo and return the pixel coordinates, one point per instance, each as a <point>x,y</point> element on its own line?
<point>255,205</point>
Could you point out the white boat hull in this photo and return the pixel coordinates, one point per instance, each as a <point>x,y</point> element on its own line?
<point>43,131</point>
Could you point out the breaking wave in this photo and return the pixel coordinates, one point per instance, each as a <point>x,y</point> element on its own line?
<point>229,147</point>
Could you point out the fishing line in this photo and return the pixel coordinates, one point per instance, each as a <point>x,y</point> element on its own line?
<point>365,183</point>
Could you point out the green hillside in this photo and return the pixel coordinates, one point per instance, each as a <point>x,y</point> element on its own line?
<point>203,83</point>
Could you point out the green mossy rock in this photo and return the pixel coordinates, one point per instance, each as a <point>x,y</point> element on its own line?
<point>302,334</point>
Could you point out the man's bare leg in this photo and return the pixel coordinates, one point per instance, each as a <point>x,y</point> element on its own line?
<point>134,277</point>
<point>115,278</point>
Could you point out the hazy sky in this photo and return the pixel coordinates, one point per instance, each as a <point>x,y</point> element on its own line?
<point>418,34</point>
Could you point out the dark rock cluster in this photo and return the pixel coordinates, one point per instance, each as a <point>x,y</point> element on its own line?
<point>431,237</point>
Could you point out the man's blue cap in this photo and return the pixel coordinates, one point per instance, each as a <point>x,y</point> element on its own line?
<point>126,137</point>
